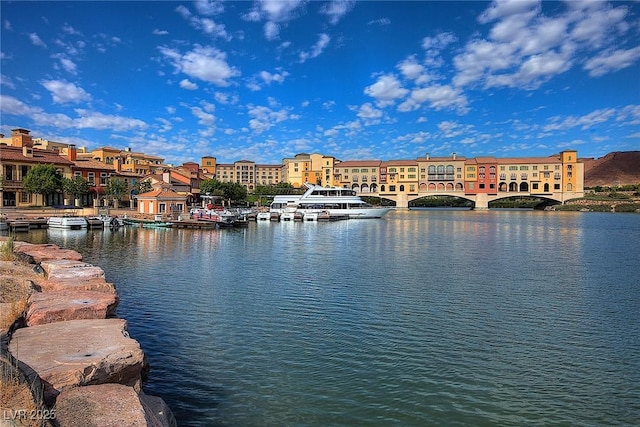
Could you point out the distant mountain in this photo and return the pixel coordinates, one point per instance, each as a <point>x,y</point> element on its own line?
<point>617,168</point>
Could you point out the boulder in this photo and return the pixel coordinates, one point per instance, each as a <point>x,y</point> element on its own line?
<point>79,352</point>
<point>70,284</point>
<point>74,275</point>
<point>35,253</point>
<point>58,306</point>
<point>62,269</point>
<point>106,405</point>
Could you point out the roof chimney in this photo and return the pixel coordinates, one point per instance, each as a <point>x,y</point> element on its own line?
<point>72,152</point>
<point>453,155</point>
<point>428,156</point>
<point>21,138</point>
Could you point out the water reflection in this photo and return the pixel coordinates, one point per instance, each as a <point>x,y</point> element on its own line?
<point>438,317</point>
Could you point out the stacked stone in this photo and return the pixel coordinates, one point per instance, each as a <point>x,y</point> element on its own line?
<point>90,368</point>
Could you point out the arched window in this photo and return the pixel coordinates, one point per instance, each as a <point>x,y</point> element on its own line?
<point>569,187</point>
<point>382,188</point>
<point>432,170</point>
<point>524,186</point>
<point>401,188</point>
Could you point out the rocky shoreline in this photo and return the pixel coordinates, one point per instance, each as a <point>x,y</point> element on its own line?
<point>65,343</point>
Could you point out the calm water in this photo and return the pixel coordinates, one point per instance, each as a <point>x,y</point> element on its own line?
<point>423,318</point>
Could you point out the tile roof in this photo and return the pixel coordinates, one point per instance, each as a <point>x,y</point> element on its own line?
<point>92,164</point>
<point>358,163</point>
<point>39,156</point>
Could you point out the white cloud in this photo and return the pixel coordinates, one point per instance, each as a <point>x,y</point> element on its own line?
<point>609,61</point>
<point>386,90</point>
<point>96,120</point>
<point>36,40</point>
<point>204,118</point>
<point>69,65</point>
<point>584,122</point>
<point>64,92</point>
<point>438,97</point>
<point>264,118</point>
<point>209,7</point>
<point>316,49</point>
<point>187,84</point>
<point>205,63</point>
<point>86,119</point>
<point>380,22</point>
<point>369,115</point>
<point>336,9</point>
<point>159,32</point>
<point>506,8</point>
<point>278,77</point>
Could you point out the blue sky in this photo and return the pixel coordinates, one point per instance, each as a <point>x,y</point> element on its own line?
<point>356,80</point>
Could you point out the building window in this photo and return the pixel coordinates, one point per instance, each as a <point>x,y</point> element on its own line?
<point>481,185</point>
<point>392,188</point>
<point>91,178</point>
<point>534,185</point>
<point>556,186</point>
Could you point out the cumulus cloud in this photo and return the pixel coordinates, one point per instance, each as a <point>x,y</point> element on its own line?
<point>64,92</point>
<point>204,118</point>
<point>276,13</point>
<point>386,90</point>
<point>205,63</point>
<point>438,97</point>
<point>336,9</point>
<point>317,48</point>
<point>187,84</point>
<point>277,77</point>
<point>85,119</point>
<point>36,40</point>
<point>525,48</point>
<point>209,7</point>
<point>369,114</point>
<point>612,60</point>
<point>264,118</point>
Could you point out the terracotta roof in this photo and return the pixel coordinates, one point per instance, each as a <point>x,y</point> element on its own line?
<point>161,193</point>
<point>529,160</point>
<point>440,159</point>
<point>401,163</point>
<point>358,163</point>
<point>39,156</point>
<point>92,164</point>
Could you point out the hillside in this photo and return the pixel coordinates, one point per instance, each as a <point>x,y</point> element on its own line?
<point>617,168</point>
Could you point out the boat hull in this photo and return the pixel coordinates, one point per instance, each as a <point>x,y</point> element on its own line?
<point>67,223</point>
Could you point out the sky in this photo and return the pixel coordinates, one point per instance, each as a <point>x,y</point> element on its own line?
<point>371,80</point>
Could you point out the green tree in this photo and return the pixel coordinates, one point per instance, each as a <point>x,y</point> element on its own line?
<point>143,186</point>
<point>115,189</point>
<point>76,186</point>
<point>231,191</point>
<point>44,180</point>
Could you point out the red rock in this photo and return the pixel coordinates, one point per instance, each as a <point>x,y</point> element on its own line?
<point>62,269</point>
<point>71,284</point>
<point>44,252</point>
<point>58,306</point>
<point>107,405</point>
<point>79,352</point>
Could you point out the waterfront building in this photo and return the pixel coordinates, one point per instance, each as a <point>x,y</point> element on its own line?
<point>126,160</point>
<point>362,176</point>
<point>303,167</point>
<point>162,201</point>
<point>208,166</point>
<point>16,161</point>
<point>249,174</point>
<point>441,173</point>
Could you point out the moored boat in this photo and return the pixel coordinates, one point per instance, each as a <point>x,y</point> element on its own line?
<point>337,202</point>
<point>67,222</point>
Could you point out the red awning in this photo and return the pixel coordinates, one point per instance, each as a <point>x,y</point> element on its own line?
<point>97,190</point>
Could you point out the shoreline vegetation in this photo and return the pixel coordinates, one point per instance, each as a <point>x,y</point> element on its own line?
<point>66,359</point>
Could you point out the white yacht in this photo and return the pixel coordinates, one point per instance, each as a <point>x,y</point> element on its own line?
<point>67,222</point>
<point>334,201</point>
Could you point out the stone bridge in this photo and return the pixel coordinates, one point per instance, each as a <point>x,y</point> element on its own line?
<point>481,201</point>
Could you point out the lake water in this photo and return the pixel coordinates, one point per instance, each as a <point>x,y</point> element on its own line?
<point>432,317</point>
